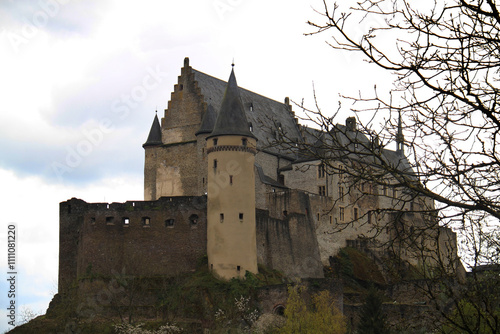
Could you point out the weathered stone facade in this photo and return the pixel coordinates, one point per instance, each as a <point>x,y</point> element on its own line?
<point>304,213</point>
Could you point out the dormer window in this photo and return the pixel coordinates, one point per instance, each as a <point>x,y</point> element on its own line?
<point>250,126</point>
<point>251,107</point>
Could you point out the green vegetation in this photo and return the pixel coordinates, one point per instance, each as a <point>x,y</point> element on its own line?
<point>372,320</point>
<point>191,300</point>
<point>320,317</point>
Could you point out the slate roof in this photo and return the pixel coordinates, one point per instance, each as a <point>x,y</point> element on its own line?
<point>267,116</point>
<point>208,121</point>
<point>154,137</point>
<point>264,115</point>
<point>231,119</point>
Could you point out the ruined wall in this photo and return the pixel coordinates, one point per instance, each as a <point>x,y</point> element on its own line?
<point>157,238</point>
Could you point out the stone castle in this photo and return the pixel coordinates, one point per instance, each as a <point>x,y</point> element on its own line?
<point>219,180</point>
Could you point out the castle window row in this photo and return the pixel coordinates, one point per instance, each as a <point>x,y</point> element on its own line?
<point>240,217</point>
<point>146,221</point>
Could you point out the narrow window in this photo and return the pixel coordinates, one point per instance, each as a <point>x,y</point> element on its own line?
<point>322,190</point>
<point>318,217</point>
<point>181,87</point>
<point>193,219</point>
<point>126,221</point>
<point>331,220</point>
<point>285,213</point>
<point>146,221</point>
<point>109,220</point>
<point>321,171</point>
<point>341,192</point>
<point>281,179</point>
<point>240,216</point>
<point>221,217</point>
<point>341,214</point>
<point>341,171</point>
<point>215,141</point>
<point>355,213</point>
<point>169,223</point>
<point>92,220</point>
<point>369,217</point>
<point>244,142</point>
<point>384,190</point>
<point>211,266</point>
<point>215,163</point>
<point>238,268</point>
<point>230,179</point>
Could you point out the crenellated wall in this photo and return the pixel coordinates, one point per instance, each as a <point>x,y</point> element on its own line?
<point>169,236</point>
<point>144,238</point>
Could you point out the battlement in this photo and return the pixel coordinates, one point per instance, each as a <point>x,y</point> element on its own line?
<point>144,238</point>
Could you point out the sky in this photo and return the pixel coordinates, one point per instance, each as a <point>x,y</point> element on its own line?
<point>81,81</point>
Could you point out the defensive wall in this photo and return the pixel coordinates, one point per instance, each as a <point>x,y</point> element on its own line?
<point>169,236</point>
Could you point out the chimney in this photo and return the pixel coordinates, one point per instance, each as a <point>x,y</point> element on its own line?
<point>350,123</point>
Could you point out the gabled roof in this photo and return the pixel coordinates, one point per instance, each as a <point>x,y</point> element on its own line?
<point>231,119</point>
<point>154,137</point>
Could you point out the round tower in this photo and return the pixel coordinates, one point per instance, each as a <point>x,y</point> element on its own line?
<point>152,146</point>
<point>231,149</point>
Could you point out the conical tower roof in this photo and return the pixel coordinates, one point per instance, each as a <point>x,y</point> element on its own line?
<point>154,137</point>
<point>208,122</point>
<point>231,119</point>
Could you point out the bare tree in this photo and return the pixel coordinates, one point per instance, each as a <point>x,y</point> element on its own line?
<point>443,111</point>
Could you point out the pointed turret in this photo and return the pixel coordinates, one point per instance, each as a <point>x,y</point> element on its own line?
<point>231,119</point>
<point>154,137</point>
<point>208,121</point>
<point>400,139</point>
<point>231,226</point>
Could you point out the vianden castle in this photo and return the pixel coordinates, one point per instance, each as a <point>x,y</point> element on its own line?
<point>234,176</point>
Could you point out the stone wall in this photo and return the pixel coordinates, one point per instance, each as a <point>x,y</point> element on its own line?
<point>286,238</point>
<point>157,238</point>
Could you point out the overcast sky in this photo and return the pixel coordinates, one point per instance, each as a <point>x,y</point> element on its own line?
<point>80,82</point>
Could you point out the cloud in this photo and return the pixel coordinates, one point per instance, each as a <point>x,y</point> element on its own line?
<point>62,18</point>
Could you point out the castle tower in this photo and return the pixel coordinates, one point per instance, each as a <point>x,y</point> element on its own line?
<point>207,126</point>
<point>231,149</point>
<point>151,147</point>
